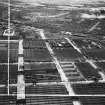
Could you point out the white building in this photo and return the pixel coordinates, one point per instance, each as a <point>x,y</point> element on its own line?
<point>9,32</point>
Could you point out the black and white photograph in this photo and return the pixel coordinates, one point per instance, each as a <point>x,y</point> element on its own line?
<point>52,52</point>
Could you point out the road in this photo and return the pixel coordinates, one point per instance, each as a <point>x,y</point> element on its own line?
<point>55,60</point>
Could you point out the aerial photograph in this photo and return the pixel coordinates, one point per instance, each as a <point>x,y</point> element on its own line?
<point>52,52</point>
